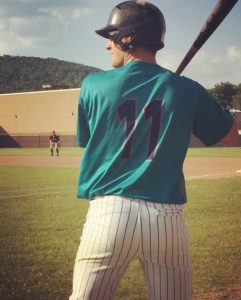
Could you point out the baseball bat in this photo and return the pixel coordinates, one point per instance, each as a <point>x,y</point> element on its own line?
<point>218,14</point>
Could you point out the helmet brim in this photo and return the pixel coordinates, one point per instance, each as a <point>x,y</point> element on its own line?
<point>105,31</point>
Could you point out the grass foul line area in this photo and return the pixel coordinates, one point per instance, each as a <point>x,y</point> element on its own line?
<point>39,239</point>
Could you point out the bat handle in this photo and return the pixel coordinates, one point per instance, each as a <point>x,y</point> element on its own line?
<point>192,51</point>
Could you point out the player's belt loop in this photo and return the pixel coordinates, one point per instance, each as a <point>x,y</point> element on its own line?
<point>169,209</point>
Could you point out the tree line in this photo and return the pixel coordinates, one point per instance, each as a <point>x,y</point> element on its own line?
<point>227,94</point>
<point>25,74</point>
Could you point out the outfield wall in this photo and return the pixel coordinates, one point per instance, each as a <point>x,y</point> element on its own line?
<point>27,119</point>
<point>34,141</point>
<point>39,112</point>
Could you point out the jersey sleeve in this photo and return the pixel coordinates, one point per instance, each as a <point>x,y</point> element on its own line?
<point>211,122</point>
<point>83,132</point>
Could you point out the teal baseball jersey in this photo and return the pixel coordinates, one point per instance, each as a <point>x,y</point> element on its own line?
<point>135,123</point>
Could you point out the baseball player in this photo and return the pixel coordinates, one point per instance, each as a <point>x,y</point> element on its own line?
<point>135,122</point>
<point>54,143</point>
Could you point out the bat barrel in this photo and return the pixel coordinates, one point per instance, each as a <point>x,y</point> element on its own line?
<point>218,14</point>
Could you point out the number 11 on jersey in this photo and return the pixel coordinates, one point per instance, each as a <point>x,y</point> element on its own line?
<point>127,112</point>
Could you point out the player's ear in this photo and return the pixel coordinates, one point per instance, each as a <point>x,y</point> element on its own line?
<point>127,39</point>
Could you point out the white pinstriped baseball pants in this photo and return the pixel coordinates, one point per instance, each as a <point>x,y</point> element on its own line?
<point>118,230</point>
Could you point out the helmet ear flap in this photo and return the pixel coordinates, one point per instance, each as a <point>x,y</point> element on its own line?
<point>125,46</point>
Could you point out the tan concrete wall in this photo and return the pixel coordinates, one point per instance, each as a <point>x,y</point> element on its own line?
<point>27,119</point>
<point>39,112</point>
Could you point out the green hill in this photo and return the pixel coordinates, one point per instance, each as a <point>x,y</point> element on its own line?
<point>25,74</point>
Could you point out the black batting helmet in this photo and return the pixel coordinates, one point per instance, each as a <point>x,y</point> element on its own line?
<point>140,19</point>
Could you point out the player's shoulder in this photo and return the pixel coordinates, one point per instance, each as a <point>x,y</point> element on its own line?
<point>99,75</point>
<point>185,83</point>
<point>179,80</point>
<point>97,82</point>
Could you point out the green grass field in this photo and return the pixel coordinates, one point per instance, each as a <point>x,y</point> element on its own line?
<point>215,152</point>
<point>65,151</point>
<point>41,221</point>
<point>192,152</point>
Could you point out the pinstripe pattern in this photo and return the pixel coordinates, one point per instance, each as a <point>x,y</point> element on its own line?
<point>116,231</point>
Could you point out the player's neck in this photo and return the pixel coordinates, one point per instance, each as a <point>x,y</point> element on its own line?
<point>140,55</point>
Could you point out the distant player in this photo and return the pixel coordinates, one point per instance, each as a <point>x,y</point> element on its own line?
<point>135,122</point>
<point>54,143</point>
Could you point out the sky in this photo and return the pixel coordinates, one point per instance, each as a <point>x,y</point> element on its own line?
<point>65,29</point>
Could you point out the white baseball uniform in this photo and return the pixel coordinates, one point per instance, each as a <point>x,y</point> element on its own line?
<point>135,123</point>
<point>118,230</point>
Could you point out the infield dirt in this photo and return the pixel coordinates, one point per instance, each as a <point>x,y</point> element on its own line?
<point>194,167</point>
